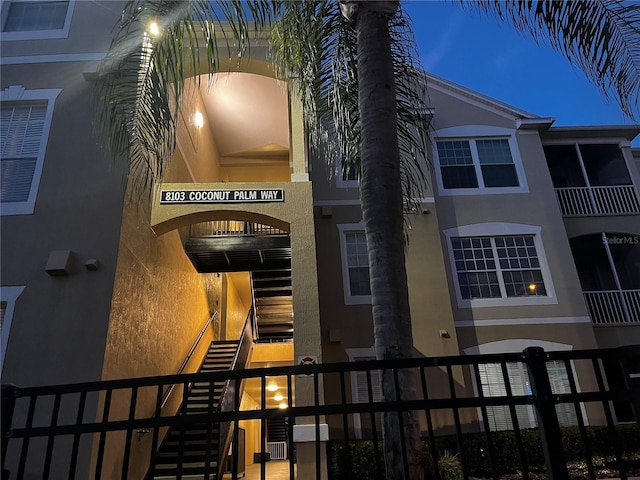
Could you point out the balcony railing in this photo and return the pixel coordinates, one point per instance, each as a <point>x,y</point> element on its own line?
<point>614,306</point>
<point>232,228</point>
<point>585,201</point>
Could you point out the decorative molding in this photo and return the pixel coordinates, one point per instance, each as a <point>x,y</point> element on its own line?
<point>521,321</point>
<point>53,58</point>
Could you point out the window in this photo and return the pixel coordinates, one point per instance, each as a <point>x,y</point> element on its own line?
<point>360,384</point>
<point>24,128</point>
<point>347,175</point>
<point>497,267</point>
<point>499,264</point>
<point>9,295</point>
<point>476,164</point>
<point>476,159</point>
<point>355,264</point>
<point>30,19</point>
<point>493,385</point>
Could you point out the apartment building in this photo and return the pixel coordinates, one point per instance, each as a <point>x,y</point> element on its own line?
<point>529,235</point>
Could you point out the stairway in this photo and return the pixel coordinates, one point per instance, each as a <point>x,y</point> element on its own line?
<point>273,304</point>
<point>198,461</point>
<point>277,430</point>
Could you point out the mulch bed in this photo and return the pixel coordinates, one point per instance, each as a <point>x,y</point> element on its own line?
<point>575,473</point>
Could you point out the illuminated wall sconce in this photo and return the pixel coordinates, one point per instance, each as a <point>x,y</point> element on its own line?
<point>278,398</point>
<point>154,29</point>
<point>198,120</point>
<point>272,387</point>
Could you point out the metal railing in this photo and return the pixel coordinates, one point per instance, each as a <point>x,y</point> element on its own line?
<point>585,201</point>
<point>609,307</point>
<point>232,228</point>
<point>50,431</point>
<point>186,360</point>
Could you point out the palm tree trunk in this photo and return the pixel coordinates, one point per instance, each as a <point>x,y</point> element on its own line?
<point>382,213</point>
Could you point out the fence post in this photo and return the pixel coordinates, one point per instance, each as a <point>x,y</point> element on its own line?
<point>8,396</point>
<point>548,425</point>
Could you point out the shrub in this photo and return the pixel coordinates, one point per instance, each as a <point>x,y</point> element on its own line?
<point>361,461</point>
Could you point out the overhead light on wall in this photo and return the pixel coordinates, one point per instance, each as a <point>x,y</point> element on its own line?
<point>154,29</point>
<point>278,398</point>
<point>282,406</point>
<point>272,387</point>
<point>198,120</point>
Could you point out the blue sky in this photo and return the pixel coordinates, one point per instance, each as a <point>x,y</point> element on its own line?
<point>492,58</point>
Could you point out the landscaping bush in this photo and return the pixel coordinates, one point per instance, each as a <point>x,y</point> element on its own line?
<point>360,462</point>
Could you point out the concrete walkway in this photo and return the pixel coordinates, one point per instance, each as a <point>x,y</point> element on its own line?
<point>276,470</point>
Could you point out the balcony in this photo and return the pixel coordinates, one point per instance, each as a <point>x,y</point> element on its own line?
<point>592,179</point>
<point>606,263</point>
<point>613,307</point>
<point>588,201</point>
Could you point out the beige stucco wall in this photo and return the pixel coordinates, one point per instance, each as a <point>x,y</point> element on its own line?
<point>428,291</point>
<point>159,307</point>
<point>196,158</point>
<point>269,172</point>
<point>294,214</point>
<point>236,306</point>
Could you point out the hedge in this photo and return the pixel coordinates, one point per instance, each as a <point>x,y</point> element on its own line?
<point>359,461</point>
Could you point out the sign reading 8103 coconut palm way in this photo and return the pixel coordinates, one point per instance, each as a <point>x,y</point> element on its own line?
<point>222,196</point>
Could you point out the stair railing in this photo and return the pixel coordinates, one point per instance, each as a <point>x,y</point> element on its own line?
<point>232,390</point>
<point>197,341</point>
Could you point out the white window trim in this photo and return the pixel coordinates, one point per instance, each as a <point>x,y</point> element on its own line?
<point>37,34</point>
<point>357,354</point>
<point>340,182</point>
<point>479,132</point>
<point>8,295</point>
<point>497,230</point>
<point>17,93</point>
<point>349,299</point>
<point>517,345</point>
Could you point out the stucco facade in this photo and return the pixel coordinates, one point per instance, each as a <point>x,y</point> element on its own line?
<point>98,281</point>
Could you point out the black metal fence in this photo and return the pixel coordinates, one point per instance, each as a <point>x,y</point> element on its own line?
<point>494,415</point>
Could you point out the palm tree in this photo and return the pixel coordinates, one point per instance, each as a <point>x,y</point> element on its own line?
<point>356,72</point>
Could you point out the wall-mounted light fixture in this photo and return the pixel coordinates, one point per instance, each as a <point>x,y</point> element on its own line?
<point>444,333</point>
<point>154,29</point>
<point>198,119</point>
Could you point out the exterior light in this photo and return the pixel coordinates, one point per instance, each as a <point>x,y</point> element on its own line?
<point>154,29</point>
<point>282,406</point>
<point>198,120</point>
<point>532,287</point>
<point>272,387</point>
<point>278,398</point>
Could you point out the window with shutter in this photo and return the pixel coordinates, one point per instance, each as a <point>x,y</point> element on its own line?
<point>21,129</point>
<point>364,422</point>
<point>493,385</point>
<point>25,120</point>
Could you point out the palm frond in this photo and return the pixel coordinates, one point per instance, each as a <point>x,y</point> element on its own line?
<point>601,37</point>
<point>313,42</point>
<point>141,81</point>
